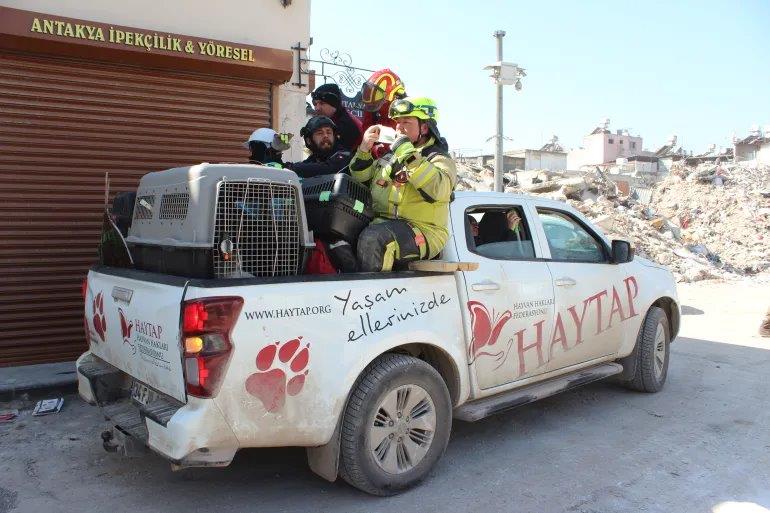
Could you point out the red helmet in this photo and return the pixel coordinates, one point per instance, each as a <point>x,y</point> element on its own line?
<point>383,86</point>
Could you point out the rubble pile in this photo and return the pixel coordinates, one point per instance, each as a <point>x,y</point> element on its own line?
<point>730,224</point>
<point>694,226</point>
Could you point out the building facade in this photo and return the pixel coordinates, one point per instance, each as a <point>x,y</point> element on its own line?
<point>602,146</point>
<point>754,147</point>
<point>124,88</point>
<point>541,159</point>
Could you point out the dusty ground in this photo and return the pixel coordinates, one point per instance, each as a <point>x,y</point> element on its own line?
<point>701,445</point>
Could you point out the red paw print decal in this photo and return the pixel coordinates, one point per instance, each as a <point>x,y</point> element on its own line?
<point>270,385</point>
<point>485,330</point>
<point>99,321</point>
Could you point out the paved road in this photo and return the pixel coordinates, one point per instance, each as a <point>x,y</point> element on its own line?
<point>701,445</point>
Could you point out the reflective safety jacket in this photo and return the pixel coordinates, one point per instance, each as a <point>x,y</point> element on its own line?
<point>421,194</point>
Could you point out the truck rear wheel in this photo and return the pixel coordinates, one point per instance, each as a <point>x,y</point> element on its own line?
<point>653,349</point>
<point>396,425</point>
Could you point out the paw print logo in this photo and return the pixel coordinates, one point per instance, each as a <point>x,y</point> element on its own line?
<point>99,321</point>
<point>270,384</point>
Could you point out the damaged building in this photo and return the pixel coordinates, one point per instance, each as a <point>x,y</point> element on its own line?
<point>550,156</point>
<point>603,147</point>
<point>754,147</point>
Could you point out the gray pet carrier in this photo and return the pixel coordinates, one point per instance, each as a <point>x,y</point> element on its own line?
<point>220,221</point>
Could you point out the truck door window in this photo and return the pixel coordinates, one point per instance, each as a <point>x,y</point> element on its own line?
<point>499,232</point>
<point>568,239</point>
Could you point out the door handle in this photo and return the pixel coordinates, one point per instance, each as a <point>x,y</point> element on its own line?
<point>565,282</point>
<point>485,285</point>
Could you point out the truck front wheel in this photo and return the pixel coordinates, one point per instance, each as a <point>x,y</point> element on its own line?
<point>653,351</point>
<point>396,425</point>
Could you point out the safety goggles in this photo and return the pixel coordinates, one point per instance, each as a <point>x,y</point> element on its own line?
<point>372,96</point>
<point>401,108</point>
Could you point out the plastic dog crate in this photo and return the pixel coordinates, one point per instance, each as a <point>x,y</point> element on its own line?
<point>337,207</point>
<point>220,221</point>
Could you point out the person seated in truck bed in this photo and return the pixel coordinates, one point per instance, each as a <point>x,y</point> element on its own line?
<point>327,155</point>
<point>266,146</point>
<point>411,189</point>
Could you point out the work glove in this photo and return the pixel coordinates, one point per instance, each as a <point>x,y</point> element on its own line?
<point>403,149</point>
<point>282,141</point>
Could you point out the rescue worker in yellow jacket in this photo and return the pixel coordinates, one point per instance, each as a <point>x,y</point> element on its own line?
<point>411,189</point>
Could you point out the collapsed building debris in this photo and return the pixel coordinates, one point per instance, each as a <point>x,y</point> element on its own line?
<point>704,222</point>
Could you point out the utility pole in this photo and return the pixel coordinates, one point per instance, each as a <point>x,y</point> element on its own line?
<point>499,168</point>
<point>503,73</point>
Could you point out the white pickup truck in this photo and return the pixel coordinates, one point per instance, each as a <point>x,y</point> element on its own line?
<point>367,371</point>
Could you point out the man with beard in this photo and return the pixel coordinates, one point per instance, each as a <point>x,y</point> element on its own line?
<point>327,156</point>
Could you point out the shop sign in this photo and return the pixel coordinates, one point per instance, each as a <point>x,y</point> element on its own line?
<point>137,38</point>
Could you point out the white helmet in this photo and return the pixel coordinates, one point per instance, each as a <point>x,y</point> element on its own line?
<point>270,137</point>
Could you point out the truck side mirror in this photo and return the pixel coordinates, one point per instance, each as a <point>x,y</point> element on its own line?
<point>622,252</point>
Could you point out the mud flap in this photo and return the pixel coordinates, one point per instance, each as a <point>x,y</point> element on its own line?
<point>629,364</point>
<point>324,460</point>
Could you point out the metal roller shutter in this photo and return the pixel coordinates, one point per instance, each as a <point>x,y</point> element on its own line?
<point>63,124</point>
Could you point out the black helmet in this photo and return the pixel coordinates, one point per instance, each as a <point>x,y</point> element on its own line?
<point>315,123</point>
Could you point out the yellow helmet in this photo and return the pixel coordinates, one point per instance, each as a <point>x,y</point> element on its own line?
<point>418,107</point>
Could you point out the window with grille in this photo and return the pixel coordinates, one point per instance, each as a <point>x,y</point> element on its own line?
<point>257,230</point>
<point>174,205</point>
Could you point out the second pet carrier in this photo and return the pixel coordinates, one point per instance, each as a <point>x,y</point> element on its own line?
<point>337,207</point>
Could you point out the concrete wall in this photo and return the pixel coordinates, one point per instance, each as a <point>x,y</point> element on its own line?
<point>664,165</point>
<point>509,163</point>
<point>745,152</point>
<point>260,23</point>
<point>576,158</point>
<point>763,155</point>
<point>645,167</point>
<point>552,161</point>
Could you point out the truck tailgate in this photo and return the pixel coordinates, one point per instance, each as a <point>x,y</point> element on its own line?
<point>134,324</point>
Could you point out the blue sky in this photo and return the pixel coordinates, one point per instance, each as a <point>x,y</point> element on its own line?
<point>700,70</point>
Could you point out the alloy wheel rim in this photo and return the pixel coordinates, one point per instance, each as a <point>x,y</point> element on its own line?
<point>402,429</point>
<point>659,355</point>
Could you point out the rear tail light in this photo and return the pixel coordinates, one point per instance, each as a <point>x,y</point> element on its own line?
<point>206,327</point>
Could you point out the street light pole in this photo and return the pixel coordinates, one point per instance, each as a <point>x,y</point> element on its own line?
<point>502,73</point>
<point>499,34</point>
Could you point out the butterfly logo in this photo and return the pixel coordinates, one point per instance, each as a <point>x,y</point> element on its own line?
<point>125,330</point>
<point>485,330</point>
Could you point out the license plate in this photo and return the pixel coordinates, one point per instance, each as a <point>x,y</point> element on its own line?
<point>142,394</point>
